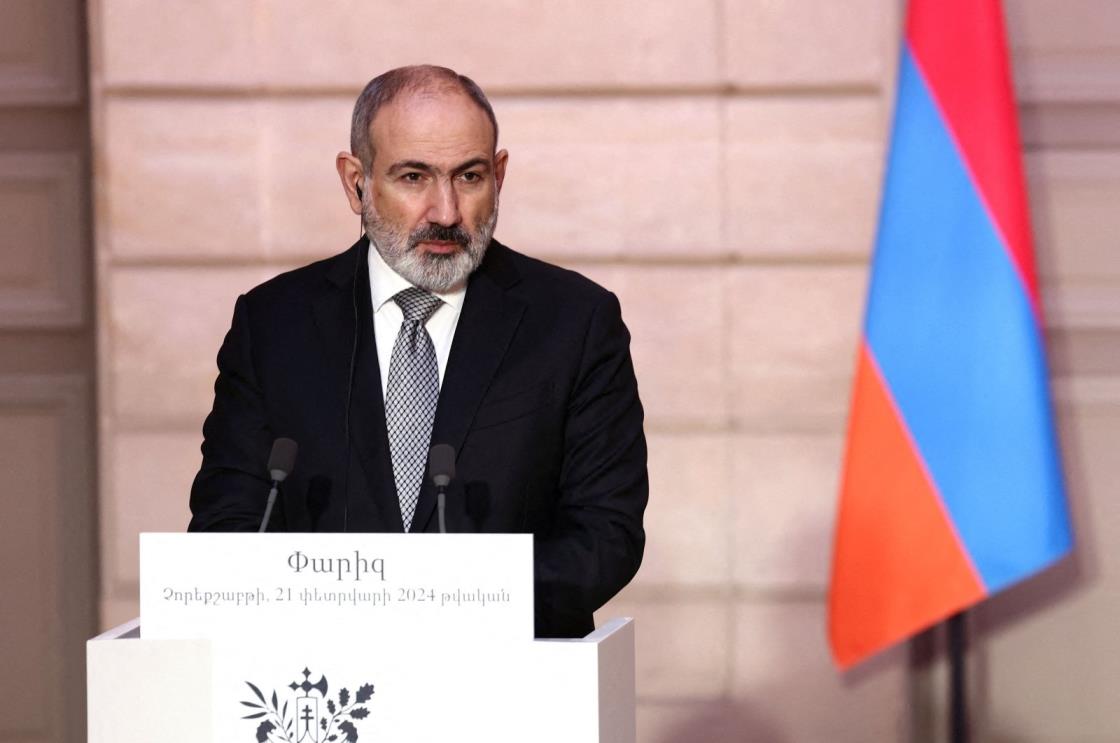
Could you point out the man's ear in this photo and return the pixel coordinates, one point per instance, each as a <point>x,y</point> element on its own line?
<point>351,173</point>
<point>500,160</point>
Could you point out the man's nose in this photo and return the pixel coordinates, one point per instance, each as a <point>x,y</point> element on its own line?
<point>444,208</point>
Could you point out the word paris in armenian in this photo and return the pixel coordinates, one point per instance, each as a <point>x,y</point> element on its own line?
<point>342,567</point>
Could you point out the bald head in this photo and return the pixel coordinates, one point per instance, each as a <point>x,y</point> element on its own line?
<point>414,80</point>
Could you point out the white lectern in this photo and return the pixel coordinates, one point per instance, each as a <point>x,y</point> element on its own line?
<point>341,638</point>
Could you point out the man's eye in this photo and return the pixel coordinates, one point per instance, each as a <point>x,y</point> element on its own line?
<point>471,177</point>
<point>411,177</point>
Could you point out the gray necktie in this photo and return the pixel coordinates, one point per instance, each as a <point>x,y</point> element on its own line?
<point>411,396</point>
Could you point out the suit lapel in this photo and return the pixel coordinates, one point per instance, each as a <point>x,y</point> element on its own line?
<point>486,326</point>
<point>335,317</point>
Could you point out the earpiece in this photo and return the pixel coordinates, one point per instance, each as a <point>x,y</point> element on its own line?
<point>358,188</point>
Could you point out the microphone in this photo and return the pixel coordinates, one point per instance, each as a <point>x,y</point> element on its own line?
<point>441,466</point>
<point>281,462</point>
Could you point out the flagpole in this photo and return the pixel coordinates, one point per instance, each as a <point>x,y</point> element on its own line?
<point>958,703</point>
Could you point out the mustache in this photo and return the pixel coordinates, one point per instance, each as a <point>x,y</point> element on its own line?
<point>440,233</point>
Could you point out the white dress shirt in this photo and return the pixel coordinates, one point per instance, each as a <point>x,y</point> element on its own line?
<point>384,284</point>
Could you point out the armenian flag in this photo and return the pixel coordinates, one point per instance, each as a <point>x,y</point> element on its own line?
<point>952,486</point>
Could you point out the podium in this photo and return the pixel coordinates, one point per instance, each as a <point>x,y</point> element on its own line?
<point>231,657</point>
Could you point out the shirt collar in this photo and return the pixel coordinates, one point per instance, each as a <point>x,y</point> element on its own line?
<point>385,283</point>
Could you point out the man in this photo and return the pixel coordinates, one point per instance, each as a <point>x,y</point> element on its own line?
<point>530,365</point>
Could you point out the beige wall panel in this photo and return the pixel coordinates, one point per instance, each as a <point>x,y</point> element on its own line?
<point>706,721</point>
<point>1073,204</point>
<point>1080,125</point>
<point>1088,350</point>
<point>783,667</point>
<point>1081,304</point>
<point>807,42</point>
<point>152,473</point>
<point>1050,656</point>
<point>115,612</point>
<point>165,328</point>
<point>803,175</point>
<point>499,43</point>
<point>784,504</point>
<point>1065,51</point>
<point>687,518</point>
<point>182,179</point>
<point>42,274</point>
<point>1050,675</point>
<point>199,43</point>
<point>734,720</point>
<point>681,645</point>
<point>1074,198</point>
<point>41,58</point>
<point>305,213</point>
<point>792,338</point>
<point>676,320</point>
<point>44,455</point>
<point>611,177</point>
<point>30,448</point>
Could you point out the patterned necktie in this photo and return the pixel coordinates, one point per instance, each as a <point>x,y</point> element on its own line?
<point>411,396</point>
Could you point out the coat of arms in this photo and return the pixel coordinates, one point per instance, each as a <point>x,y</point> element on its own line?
<point>308,715</point>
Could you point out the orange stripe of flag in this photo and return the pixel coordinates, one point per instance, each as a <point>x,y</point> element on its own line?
<point>898,563</point>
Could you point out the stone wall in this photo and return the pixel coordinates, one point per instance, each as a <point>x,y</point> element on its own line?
<point>717,164</point>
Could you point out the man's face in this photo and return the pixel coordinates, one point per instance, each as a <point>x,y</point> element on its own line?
<point>431,197</point>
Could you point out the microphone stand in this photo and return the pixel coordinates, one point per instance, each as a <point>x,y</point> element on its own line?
<point>441,466</point>
<point>441,505</point>
<point>268,508</point>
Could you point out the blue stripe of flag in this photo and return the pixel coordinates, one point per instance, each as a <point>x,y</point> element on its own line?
<point>955,336</point>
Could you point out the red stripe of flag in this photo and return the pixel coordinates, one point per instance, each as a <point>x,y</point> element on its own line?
<point>961,48</point>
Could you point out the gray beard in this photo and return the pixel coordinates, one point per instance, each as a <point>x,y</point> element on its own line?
<point>438,274</point>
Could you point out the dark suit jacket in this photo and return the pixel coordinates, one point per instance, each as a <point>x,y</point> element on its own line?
<point>538,398</point>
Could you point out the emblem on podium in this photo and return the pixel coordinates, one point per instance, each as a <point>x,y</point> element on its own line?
<point>308,714</point>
